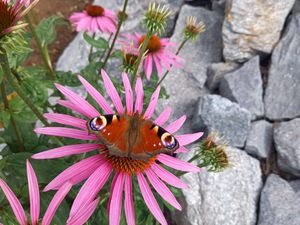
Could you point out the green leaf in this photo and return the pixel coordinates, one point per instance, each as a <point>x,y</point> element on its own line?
<point>46,29</point>
<point>68,78</point>
<point>5,117</point>
<point>97,43</point>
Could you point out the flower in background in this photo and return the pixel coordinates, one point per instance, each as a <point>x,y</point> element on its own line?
<point>98,168</point>
<point>193,28</point>
<point>34,196</point>
<point>94,18</point>
<point>159,52</point>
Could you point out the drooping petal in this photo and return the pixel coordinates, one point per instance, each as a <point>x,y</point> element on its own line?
<point>168,177</point>
<point>66,151</point>
<point>96,96</point>
<point>34,194</point>
<point>139,91</point>
<point>157,64</point>
<point>186,139</point>
<point>176,125</point>
<point>148,66</point>
<point>14,203</point>
<point>55,202</point>
<point>76,173</point>
<point>112,92</point>
<point>66,120</point>
<point>66,132</point>
<point>115,208</point>
<point>128,202</point>
<point>177,163</point>
<point>112,186</point>
<point>78,100</point>
<point>150,200</point>
<point>73,107</point>
<point>152,104</point>
<point>83,215</point>
<point>163,117</point>
<point>162,189</point>
<point>128,93</point>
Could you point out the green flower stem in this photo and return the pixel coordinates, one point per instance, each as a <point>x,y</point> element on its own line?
<point>91,49</point>
<point>177,52</point>
<point>122,19</point>
<point>12,120</point>
<point>140,56</point>
<point>43,49</point>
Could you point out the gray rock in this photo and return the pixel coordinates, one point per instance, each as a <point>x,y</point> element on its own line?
<point>244,86</point>
<point>219,6</point>
<point>216,71</point>
<point>208,47</point>
<point>225,198</point>
<point>215,113</point>
<point>251,27</point>
<point>296,8</point>
<point>75,56</point>
<point>282,98</point>
<point>287,143</point>
<point>259,141</point>
<point>279,203</point>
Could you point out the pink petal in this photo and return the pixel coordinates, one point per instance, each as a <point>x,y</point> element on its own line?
<point>168,177</point>
<point>83,24</point>
<point>177,163</point>
<point>163,117</point>
<point>111,190</point>
<point>96,96</point>
<point>73,107</point>
<point>34,194</point>
<point>110,26</point>
<point>55,202</point>
<point>14,203</point>
<point>115,208</point>
<point>186,139</point>
<point>66,120</point>
<point>176,125</point>
<point>150,200</point>
<point>76,173</point>
<point>157,64</point>
<point>182,149</point>
<point>83,215</point>
<point>93,25</point>
<point>128,202</point>
<point>148,66</point>
<point>162,189</point>
<point>152,104</point>
<point>66,151</point>
<point>139,95</point>
<point>66,132</point>
<point>78,100</point>
<point>112,92</point>
<point>128,93</point>
<point>91,187</point>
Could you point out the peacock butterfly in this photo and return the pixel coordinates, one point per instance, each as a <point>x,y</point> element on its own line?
<point>132,136</point>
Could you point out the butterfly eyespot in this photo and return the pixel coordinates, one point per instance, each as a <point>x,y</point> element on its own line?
<point>98,123</point>
<point>168,140</point>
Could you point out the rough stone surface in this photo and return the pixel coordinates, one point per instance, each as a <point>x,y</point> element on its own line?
<point>216,71</point>
<point>244,86</point>
<point>75,56</point>
<point>279,203</point>
<point>215,113</point>
<point>208,47</point>
<point>252,26</point>
<point>219,6</point>
<point>287,143</point>
<point>225,198</point>
<point>296,8</point>
<point>282,98</point>
<point>259,141</point>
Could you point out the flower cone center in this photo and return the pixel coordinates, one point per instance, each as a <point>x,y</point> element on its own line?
<point>154,44</point>
<point>6,16</point>
<point>94,10</point>
<point>126,164</point>
<point>130,59</point>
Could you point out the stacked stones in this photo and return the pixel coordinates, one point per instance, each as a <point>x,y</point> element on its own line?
<point>242,79</point>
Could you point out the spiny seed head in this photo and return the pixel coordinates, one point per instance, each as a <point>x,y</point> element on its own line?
<point>156,17</point>
<point>193,28</point>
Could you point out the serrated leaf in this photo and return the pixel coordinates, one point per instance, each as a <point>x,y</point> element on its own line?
<point>97,43</point>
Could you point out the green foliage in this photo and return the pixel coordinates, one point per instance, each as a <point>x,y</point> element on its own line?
<point>100,43</point>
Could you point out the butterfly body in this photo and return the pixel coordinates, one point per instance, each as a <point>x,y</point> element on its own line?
<point>132,136</point>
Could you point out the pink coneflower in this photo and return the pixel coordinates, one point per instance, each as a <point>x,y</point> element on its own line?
<point>160,52</point>
<point>12,13</point>
<point>34,196</point>
<point>98,168</point>
<point>94,18</point>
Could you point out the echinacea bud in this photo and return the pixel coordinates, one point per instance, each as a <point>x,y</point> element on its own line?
<point>129,61</point>
<point>156,18</point>
<point>193,28</point>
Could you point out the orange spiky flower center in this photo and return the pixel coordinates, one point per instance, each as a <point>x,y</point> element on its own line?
<point>154,44</point>
<point>126,164</point>
<point>94,10</point>
<point>7,16</point>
